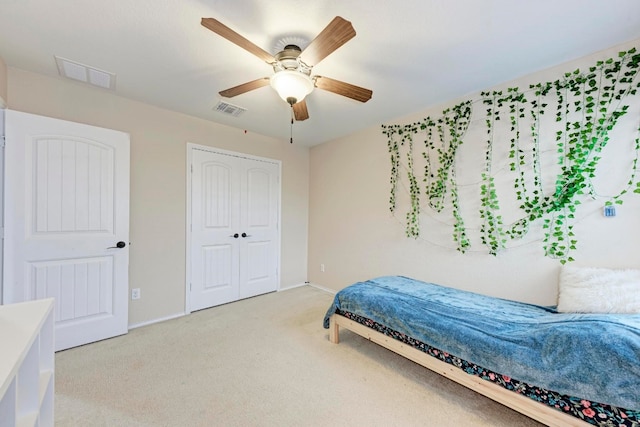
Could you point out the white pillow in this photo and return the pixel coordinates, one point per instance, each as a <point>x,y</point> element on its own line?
<point>598,290</point>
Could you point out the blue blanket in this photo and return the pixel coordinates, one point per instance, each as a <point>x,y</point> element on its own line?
<point>590,356</point>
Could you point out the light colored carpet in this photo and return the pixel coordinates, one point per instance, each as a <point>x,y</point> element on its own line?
<point>264,361</point>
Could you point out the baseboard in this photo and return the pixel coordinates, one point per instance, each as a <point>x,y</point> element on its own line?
<point>322,288</point>
<point>313,285</point>
<point>293,287</point>
<point>158,320</point>
<point>175,316</point>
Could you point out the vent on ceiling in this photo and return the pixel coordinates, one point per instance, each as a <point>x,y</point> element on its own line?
<point>229,109</point>
<point>84,73</point>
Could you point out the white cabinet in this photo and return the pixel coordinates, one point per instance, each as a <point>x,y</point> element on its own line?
<point>26,364</point>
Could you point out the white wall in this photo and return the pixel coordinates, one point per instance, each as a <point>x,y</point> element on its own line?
<point>354,235</point>
<point>158,181</point>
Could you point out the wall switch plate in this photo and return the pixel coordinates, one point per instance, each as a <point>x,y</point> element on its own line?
<point>135,293</point>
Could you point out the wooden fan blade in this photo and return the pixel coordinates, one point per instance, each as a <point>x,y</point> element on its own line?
<point>338,32</point>
<point>300,111</point>
<point>345,89</point>
<point>222,30</point>
<point>245,87</point>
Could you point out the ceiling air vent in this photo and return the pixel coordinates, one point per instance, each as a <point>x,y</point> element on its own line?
<point>229,109</point>
<point>84,73</point>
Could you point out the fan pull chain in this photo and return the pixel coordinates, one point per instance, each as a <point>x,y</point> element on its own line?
<point>291,132</point>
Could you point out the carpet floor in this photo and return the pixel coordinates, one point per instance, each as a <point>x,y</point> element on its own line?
<point>263,361</point>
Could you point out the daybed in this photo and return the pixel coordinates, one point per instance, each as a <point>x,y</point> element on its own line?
<point>558,368</point>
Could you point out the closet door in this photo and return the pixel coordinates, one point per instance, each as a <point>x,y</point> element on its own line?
<point>234,229</point>
<point>259,246</point>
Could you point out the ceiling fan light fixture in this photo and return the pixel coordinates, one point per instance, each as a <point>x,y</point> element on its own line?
<point>292,84</point>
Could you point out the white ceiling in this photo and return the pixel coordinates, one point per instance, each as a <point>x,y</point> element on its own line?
<point>412,53</point>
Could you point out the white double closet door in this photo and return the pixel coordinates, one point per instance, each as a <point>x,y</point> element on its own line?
<point>234,230</point>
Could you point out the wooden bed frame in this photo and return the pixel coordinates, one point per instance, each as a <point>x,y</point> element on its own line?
<point>529,407</point>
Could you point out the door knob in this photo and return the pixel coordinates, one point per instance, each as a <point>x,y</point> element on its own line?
<point>246,235</point>
<point>118,245</point>
<point>235,236</point>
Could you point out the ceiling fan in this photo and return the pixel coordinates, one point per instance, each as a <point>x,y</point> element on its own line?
<point>292,66</point>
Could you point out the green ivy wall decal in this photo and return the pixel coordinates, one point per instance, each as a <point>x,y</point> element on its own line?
<point>439,170</point>
<point>588,106</point>
<point>492,230</point>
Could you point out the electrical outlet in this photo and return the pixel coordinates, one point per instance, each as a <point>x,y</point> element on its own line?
<point>135,293</point>
<point>322,268</point>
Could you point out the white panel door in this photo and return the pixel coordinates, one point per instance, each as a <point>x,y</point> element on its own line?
<point>234,228</point>
<point>215,237</point>
<point>259,228</point>
<point>67,224</point>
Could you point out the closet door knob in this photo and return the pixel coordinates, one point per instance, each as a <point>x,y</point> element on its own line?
<point>235,236</point>
<point>246,235</point>
<point>118,245</point>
